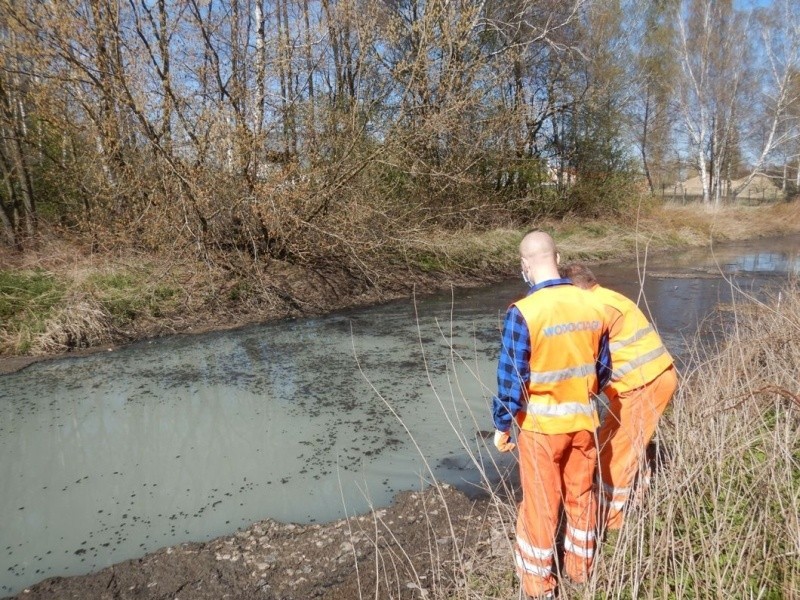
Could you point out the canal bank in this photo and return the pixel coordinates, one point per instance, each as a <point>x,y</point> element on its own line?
<point>65,298</point>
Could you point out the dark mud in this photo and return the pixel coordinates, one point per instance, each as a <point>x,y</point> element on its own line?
<point>423,542</point>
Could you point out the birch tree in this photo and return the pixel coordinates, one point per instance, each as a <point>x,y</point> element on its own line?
<point>736,72</point>
<point>654,73</point>
<point>17,198</point>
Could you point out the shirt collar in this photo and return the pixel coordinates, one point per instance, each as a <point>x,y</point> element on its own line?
<point>549,283</point>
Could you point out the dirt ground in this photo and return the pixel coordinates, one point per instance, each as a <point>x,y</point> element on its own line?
<point>425,542</point>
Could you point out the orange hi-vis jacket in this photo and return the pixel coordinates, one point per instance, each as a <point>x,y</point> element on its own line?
<point>637,354</point>
<point>566,325</point>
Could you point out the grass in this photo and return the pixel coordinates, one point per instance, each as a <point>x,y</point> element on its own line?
<point>49,312</point>
<point>127,296</point>
<point>27,299</point>
<point>64,295</point>
<point>722,516</point>
<point>476,252</point>
<point>655,229</point>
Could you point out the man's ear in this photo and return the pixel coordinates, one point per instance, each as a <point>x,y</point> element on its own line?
<point>558,258</point>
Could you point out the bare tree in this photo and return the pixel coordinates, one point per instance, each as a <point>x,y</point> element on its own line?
<point>718,86</point>
<point>17,205</point>
<point>651,76</point>
<point>271,128</point>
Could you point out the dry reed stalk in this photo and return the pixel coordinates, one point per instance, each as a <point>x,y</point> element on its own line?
<point>722,516</point>
<point>81,323</point>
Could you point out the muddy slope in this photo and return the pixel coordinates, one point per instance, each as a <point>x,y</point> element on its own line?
<point>424,541</point>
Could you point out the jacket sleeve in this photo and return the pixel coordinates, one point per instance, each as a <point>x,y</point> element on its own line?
<point>611,328</point>
<point>603,364</point>
<point>513,370</point>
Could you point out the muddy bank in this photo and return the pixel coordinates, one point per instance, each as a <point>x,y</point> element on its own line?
<point>216,315</point>
<point>122,297</point>
<point>425,541</point>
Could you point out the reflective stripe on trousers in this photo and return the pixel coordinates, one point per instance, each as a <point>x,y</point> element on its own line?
<point>553,468</point>
<point>613,497</point>
<point>623,438</point>
<point>580,542</point>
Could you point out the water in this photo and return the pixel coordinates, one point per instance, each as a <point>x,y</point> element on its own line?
<point>107,457</point>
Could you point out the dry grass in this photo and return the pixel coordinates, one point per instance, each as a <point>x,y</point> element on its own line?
<point>729,223</point>
<point>653,229</point>
<point>127,293</point>
<point>79,323</point>
<point>671,226</point>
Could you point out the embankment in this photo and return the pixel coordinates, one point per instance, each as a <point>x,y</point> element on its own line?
<point>65,297</point>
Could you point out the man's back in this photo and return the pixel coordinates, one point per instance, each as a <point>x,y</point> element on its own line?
<point>638,355</point>
<point>566,325</point>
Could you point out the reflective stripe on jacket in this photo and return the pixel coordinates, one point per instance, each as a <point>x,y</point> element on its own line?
<point>637,354</point>
<point>565,324</point>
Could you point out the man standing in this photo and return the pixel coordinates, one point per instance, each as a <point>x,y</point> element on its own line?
<point>642,383</point>
<point>546,375</point>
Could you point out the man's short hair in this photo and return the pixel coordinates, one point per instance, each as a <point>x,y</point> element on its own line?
<point>580,275</point>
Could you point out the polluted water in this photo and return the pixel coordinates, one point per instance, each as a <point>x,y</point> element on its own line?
<point>107,457</point>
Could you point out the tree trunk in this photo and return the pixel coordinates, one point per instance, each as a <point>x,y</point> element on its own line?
<point>797,177</point>
<point>311,119</point>
<point>9,211</point>
<point>163,45</point>
<point>337,61</point>
<point>645,126</point>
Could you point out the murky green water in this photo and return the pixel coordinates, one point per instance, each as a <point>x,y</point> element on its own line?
<point>107,457</point>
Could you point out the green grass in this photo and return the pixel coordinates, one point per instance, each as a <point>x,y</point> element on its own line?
<point>480,253</point>
<point>128,296</point>
<point>38,307</point>
<point>28,292</point>
<point>428,262</point>
<point>27,300</point>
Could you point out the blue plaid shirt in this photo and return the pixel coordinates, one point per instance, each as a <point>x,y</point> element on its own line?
<point>513,367</point>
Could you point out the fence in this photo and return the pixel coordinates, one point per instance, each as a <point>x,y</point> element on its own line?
<point>746,197</point>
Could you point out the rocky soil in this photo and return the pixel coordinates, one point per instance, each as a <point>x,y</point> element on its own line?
<point>425,543</point>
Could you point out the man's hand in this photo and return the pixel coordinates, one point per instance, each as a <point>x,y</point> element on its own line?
<point>502,441</point>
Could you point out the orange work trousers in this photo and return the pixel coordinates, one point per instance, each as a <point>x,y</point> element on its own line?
<point>555,469</point>
<point>623,438</point>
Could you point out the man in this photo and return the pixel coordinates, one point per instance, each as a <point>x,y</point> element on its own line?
<point>546,375</point>
<point>642,382</point>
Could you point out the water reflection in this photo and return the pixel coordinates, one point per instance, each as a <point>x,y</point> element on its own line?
<point>107,457</point>
<point>765,262</point>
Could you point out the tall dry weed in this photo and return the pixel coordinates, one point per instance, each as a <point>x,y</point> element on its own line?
<point>721,518</point>
<point>81,323</point>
